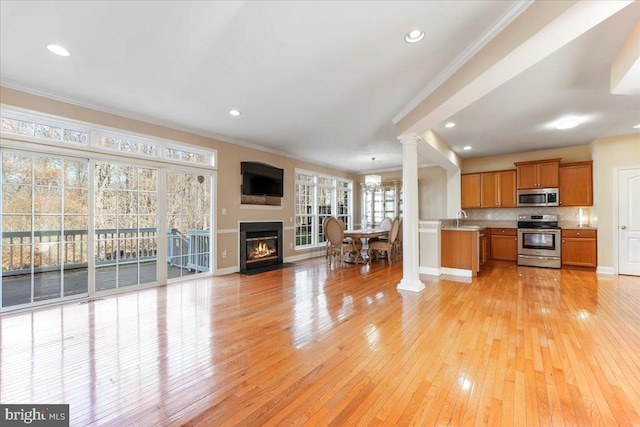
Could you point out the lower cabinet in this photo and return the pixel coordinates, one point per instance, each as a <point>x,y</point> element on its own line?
<point>504,244</point>
<point>459,250</point>
<point>580,248</point>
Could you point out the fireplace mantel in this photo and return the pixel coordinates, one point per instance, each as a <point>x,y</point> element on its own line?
<point>262,207</point>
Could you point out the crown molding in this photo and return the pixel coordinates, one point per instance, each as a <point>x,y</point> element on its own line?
<point>10,84</point>
<point>503,21</point>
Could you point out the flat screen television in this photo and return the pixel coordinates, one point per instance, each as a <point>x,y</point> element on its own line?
<point>259,179</point>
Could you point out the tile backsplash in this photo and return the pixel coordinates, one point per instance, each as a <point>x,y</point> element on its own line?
<point>569,215</point>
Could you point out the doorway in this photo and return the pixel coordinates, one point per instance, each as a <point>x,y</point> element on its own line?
<point>628,221</point>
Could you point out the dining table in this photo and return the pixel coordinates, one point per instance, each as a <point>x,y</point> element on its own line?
<point>357,236</point>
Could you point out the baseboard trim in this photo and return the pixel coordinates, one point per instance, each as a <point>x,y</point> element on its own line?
<point>432,271</point>
<point>456,272</point>
<point>605,270</point>
<point>228,270</point>
<point>312,254</point>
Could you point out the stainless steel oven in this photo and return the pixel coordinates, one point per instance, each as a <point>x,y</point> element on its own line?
<point>539,241</point>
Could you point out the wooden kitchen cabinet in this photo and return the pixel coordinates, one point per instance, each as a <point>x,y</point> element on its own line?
<point>580,248</point>
<point>483,247</point>
<point>470,191</point>
<point>498,189</point>
<point>576,184</point>
<point>459,250</point>
<point>504,244</point>
<point>537,174</point>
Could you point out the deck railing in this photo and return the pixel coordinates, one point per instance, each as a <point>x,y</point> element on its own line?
<point>53,249</point>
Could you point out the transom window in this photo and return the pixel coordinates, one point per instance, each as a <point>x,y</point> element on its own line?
<point>66,132</point>
<point>44,129</point>
<point>127,144</point>
<point>316,198</point>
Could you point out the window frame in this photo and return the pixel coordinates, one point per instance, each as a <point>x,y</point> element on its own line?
<point>377,197</point>
<point>316,224</point>
<point>95,132</point>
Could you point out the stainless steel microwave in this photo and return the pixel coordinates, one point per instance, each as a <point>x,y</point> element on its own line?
<point>538,197</point>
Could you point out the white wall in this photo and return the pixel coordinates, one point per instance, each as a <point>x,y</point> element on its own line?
<point>609,154</point>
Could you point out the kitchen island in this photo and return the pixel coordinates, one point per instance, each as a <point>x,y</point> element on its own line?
<point>460,250</point>
<point>450,249</point>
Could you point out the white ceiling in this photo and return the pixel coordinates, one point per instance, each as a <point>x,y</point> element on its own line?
<point>319,81</point>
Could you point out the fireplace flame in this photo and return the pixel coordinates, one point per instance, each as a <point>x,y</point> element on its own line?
<point>261,250</point>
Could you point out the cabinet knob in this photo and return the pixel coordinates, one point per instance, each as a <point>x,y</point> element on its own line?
<point>578,233</point>
<point>624,227</point>
<point>563,241</point>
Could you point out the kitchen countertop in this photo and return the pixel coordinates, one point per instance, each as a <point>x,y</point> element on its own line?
<point>462,228</point>
<point>451,223</point>
<point>568,225</point>
<point>479,223</point>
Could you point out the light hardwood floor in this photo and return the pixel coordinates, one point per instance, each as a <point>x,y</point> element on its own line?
<point>318,345</point>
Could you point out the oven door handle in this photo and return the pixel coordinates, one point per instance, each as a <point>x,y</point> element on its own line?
<point>538,257</point>
<point>539,230</point>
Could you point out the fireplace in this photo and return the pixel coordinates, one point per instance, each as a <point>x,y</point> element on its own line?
<point>260,245</point>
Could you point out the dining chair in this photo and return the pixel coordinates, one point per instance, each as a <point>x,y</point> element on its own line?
<point>324,231</point>
<point>387,246</point>
<point>337,243</point>
<point>398,248</point>
<point>384,225</point>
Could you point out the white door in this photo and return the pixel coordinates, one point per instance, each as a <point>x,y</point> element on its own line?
<point>629,221</point>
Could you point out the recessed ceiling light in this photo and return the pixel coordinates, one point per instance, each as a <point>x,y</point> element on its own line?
<point>636,127</point>
<point>567,124</point>
<point>467,148</point>
<point>449,125</point>
<point>234,112</point>
<point>414,36</point>
<point>58,50</point>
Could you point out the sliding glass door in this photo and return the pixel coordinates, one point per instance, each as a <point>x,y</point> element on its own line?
<point>44,228</point>
<point>189,223</point>
<point>49,202</point>
<point>126,236</point>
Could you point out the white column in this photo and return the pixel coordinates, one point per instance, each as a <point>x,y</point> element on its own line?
<point>410,243</point>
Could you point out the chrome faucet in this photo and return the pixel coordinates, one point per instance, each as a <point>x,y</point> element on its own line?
<point>464,214</point>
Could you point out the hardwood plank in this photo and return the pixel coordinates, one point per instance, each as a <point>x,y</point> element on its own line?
<point>323,345</point>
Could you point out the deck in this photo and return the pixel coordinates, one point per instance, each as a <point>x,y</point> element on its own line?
<point>17,289</point>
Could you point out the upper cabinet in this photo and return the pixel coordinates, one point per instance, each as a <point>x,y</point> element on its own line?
<point>537,174</point>
<point>470,190</point>
<point>489,190</point>
<point>498,189</point>
<point>576,184</point>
